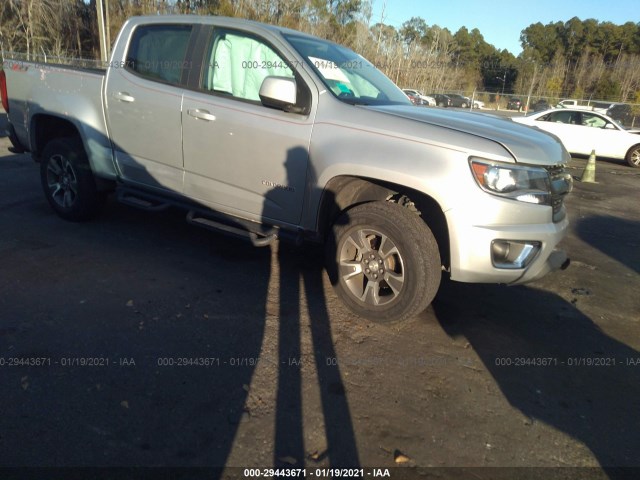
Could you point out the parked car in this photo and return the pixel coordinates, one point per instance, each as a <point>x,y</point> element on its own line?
<point>584,105</point>
<point>540,105</point>
<point>441,100</point>
<point>458,100</point>
<point>622,113</point>
<point>583,131</point>
<point>426,100</point>
<point>514,104</point>
<point>478,104</point>
<point>415,99</point>
<point>602,107</point>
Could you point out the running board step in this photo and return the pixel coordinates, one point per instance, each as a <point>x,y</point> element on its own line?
<point>241,229</point>
<point>143,201</point>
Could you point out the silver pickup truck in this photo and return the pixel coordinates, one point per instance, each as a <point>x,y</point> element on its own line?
<point>266,133</point>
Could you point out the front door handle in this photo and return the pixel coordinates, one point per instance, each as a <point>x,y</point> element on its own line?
<point>123,97</point>
<point>201,114</point>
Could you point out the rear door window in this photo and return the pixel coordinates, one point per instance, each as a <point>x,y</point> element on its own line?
<point>158,52</point>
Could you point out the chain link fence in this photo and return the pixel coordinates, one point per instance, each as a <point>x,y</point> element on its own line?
<point>53,60</point>
<point>627,114</point>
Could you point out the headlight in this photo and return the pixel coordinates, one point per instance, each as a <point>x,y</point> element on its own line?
<point>525,184</point>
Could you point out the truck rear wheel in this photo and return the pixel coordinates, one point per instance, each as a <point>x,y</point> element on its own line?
<point>68,182</point>
<point>383,261</point>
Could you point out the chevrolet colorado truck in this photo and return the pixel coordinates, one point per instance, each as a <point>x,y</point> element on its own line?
<point>267,133</point>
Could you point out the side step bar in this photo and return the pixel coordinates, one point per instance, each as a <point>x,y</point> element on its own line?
<point>144,201</point>
<point>242,229</point>
<point>210,220</point>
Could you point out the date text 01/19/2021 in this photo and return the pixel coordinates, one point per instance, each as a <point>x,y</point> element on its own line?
<point>317,472</point>
<point>566,362</point>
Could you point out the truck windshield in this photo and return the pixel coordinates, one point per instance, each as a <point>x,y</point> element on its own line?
<point>346,74</point>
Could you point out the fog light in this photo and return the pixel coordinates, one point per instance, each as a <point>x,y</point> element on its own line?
<point>513,254</point>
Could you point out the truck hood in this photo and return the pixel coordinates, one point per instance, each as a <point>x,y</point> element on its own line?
<point>526,144</point>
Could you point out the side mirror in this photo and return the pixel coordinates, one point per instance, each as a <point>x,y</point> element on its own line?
<point>610,126</point>
<point>278,92</point>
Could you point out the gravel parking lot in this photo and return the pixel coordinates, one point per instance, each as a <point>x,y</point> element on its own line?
<point>139,341</point>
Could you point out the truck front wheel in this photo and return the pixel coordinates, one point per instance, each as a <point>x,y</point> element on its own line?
<point>68,182</point>
<point>383,261</point>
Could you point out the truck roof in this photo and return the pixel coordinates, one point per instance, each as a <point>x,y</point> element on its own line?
<point>230,22</point>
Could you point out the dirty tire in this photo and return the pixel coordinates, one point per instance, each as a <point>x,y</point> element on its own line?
<point>464,105</point>
<point>68,182</point>
<point>633,156</point>
<point>383,261</point>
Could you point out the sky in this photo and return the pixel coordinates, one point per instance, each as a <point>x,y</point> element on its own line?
<point>501,21</point>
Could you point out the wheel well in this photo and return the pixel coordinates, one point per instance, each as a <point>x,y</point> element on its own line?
<point>343,193</point>
<point>45,128</point>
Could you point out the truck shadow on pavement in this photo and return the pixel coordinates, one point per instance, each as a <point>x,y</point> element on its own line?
<point>589,386</point>
<point>618,238</point>
<point>172,344</point>
<point>173,320</point>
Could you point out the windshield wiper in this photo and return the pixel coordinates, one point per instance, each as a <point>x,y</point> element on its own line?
<point>355,102</point>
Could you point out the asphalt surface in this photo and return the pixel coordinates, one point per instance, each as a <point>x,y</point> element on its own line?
<point>137,340</point>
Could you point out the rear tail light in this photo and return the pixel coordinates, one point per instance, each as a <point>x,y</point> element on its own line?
<point>3,91</point>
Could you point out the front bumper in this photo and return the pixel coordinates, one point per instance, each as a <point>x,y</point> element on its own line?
<point>471,258</point>
<point>558,260</point>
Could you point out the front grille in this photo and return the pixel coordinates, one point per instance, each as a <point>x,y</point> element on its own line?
<point>561,185</point>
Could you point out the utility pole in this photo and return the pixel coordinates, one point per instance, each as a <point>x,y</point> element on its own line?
<point>384,5</point>
<point>107,29</point>
<point>102,33</point>
<point>504,81</point>
<point>533,82</point>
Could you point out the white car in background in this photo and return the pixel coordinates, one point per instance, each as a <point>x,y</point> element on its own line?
<point>583,131</point>
<point>478,104</point>
<point>427,100</point>
<point>595,106</point>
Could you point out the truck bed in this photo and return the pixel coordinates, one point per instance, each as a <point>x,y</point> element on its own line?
<point>37,89</point>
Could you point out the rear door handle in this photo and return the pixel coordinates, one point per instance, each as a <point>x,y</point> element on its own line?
<point>201,114</point>
<point>123,97</point>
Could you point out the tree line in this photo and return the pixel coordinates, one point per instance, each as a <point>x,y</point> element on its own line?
<point>577,58</point>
